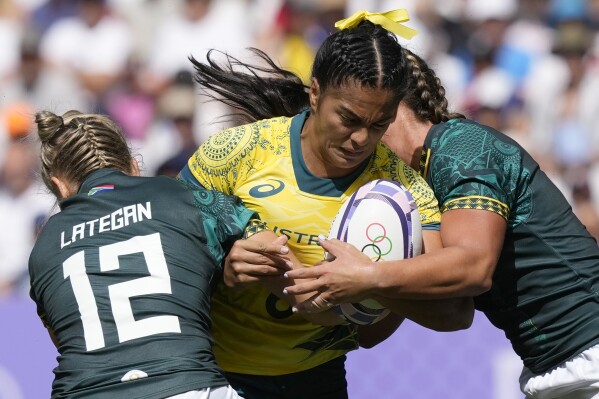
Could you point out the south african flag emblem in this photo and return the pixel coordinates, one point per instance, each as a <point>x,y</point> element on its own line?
<point>97,189</point>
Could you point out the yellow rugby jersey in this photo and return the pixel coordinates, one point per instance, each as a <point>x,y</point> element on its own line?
<point>254,331</point>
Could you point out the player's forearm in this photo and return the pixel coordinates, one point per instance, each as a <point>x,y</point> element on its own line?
<point>436,314</point>
<point>374,334</point>
<point>450,273</point>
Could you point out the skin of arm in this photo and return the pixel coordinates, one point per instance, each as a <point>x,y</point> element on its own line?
<point>263,258</point>
<point>472,241</point>
<point>439,315</point>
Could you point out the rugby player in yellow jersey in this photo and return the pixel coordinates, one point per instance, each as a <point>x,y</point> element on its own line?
<point>296,165</point>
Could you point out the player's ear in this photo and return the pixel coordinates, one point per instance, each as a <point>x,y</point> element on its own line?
<point>62,187</point>
<point>134,167</point>
<point>314,94</point>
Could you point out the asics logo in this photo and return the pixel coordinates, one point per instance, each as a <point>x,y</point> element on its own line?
<point>267,189</point>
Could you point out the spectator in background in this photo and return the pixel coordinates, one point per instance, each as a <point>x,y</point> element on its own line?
<point>560,94</point>
<point>171,139</point>
<point>94,47</point>
<point>131,106</point>
<point>144,17</point>
<point>199,26</point>
<point>490,87</point>
<point>299,29</point>
<point>46,14</point>
<point>10,39</point>
<point>180,121</point>
<point>40,85</point>
<point>24,206</point>
<point>15,122</point>
<point>559,86</point>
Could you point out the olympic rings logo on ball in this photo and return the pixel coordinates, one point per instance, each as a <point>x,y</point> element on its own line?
<point>380,245</point>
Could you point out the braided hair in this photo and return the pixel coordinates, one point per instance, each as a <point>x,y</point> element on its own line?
<point>74,145</point>
<point>425,93</point>
<point>367,55</point>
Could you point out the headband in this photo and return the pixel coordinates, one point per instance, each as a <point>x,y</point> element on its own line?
<point>389,20</point>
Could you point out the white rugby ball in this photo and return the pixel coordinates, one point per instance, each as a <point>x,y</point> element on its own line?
<point>382,220</point>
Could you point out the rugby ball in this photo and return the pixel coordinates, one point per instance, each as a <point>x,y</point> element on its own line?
<point>382,220</point>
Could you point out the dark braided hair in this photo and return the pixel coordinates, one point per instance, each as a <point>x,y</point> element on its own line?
<point>425,94</point>
<point>257,92</point>
<point>367,55</point>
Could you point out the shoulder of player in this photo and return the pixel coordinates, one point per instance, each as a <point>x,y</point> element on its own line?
<point>463,130</point>
<point>466,139</point>
<point>265,129</point>
<point>264,136</point>
<point>165,190</point>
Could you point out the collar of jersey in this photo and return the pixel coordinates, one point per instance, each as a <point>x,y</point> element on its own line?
<point>98,177</point>
<point>306,181</point>
<point>431,137</point>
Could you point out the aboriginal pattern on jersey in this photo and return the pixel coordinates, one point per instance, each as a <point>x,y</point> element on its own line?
<point>227,151</point>
<point>473,169</point>
<point>482,203</point>
<point>399,168</point>
<point>342,337</point>
<point>213,203</point>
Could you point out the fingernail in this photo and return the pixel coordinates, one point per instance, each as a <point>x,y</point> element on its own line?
<point>294,309</point>
<point>289,263</point>
<point>284,250</point>
<point>285,291</point>
<point>321,237</point>
<point>285,275</point>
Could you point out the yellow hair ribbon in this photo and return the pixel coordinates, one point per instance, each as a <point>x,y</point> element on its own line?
<point>389,20</point>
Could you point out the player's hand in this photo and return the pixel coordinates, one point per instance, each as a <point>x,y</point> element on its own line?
<point>253,259</point>
<point>347,278</point>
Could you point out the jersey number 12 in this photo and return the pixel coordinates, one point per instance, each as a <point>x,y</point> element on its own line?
<point>157,283</point>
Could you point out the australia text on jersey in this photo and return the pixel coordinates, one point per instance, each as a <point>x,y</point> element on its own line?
<point>300,238</point>
<point>113,221</point>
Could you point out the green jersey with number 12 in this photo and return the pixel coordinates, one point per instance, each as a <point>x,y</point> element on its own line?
<point>122,277</point>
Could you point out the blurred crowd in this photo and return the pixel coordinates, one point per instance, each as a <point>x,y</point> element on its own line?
<point>529,68</point>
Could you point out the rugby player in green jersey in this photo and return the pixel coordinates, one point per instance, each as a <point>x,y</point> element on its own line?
<point>510,239</point>
<point>122,275</point>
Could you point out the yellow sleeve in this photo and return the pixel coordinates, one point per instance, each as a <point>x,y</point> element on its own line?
<point>223,159</point>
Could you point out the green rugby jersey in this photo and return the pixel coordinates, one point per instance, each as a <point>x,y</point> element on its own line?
<point>545,291</point>
<point>122,277</point>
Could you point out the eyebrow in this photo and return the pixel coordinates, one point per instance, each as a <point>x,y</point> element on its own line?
<point>352,114</point>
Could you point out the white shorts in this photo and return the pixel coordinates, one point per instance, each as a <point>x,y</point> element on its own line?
<point>224,392</point>
<point>577,378</point>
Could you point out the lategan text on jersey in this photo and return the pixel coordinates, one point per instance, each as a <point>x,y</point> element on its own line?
<point>113,221</point>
